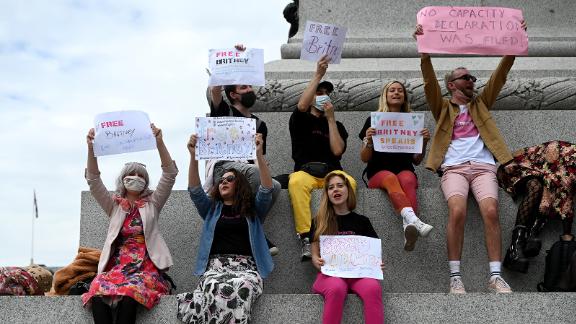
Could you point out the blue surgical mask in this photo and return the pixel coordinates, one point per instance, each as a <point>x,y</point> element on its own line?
<point>320,101</point>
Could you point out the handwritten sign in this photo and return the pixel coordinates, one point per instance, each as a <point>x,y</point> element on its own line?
<point>351,256</point>
<point>472,30</point>
<point>230,66</point>
<point>122,132</point>
<point>225,138</point>
<point>321,39</point>
<point>397,132</point>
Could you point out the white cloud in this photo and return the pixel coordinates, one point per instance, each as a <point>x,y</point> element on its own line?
<point>64,61</point>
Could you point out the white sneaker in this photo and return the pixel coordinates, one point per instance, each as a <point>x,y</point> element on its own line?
<point>499,286</point>
<point>457,286</point>
<point>410,237</point>
<point>423,228</point>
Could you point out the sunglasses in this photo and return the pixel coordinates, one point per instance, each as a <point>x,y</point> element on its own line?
<point>465,77</point>
<point>228,179</point>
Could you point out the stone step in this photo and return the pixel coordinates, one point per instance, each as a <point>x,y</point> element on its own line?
<point>422,270</point>
<point>519,129</point>
<point>307,308</point>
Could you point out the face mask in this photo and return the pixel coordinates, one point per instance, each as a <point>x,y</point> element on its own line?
<point>134,183</point>
<point>248,99</point>
<point>320,100</point>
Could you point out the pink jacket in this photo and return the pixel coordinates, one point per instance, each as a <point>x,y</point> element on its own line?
<point>155,244</point>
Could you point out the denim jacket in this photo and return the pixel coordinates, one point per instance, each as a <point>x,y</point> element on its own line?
<point>211,215</point>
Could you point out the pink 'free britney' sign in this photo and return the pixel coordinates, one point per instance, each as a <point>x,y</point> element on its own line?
<point>472,30</point>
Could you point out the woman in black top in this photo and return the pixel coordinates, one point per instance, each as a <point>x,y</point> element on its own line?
<point>336,217</point>
<point>394,172</point>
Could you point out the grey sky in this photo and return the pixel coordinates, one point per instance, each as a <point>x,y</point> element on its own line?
<point>64,61</point>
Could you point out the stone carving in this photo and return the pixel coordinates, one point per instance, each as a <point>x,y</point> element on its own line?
<point>552,93</point>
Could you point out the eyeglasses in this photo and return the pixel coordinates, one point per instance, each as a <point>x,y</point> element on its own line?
<point>228,179</point>
<point>465,77</point>
<point>140,164</point>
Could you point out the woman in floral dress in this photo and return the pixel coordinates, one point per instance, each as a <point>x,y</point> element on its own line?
<point>233,256</point>
<point>134,255</point>
<point>545,176</point>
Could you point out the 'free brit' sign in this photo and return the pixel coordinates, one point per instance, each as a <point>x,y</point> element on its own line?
<point>472,30</point>
<point>322,39</point>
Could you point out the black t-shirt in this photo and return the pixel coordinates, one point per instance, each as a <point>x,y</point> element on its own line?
<point>393,162</point>
<point>223,110</point>
<point>350,224</point>
<point>231,235</point>
<point>311,140</point>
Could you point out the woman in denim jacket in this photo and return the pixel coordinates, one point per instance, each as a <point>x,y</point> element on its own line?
<point>233,256</point>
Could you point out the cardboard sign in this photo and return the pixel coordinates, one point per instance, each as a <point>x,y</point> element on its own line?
<point>351,256</point>
<point>122,132</point>
<point>321,39</point>
<point>230,66</point>
<point>225,138</point>
<point>397,132</point>
<point>472,30</point>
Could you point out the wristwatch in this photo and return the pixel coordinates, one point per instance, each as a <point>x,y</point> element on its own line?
<point>367,142</point>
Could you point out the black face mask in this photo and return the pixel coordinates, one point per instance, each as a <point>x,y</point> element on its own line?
<point>248,99</point>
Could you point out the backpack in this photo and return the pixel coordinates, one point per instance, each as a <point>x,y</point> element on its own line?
<point>560,270</point>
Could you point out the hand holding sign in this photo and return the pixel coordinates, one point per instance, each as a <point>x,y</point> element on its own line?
<point>123,132</point>
<point>236,65</point>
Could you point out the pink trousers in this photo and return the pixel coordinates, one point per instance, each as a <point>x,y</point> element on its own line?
<point>335,289</point>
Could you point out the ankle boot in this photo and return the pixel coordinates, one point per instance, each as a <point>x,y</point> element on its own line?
<point>514,259</point>
<point>533,243</point>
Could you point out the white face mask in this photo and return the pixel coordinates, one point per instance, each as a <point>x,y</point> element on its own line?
<point>134,183</point>
<point>320,101</point>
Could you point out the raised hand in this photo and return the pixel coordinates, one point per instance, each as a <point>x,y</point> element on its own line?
<point>192,145</point>
<point>322,65</point>
<point>90,137</point>
<point>157,132</point>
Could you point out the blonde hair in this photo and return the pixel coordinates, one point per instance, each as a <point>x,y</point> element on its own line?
<point>449,76</point>
<point>383,103</point>
<point>325,218</point>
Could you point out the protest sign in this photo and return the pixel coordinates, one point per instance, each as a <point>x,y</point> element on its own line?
<point>231,66</point>
<point>472,30</point>
<point>321,39</point>
<point>225,138</point>
<point>122,132</point>
<point>397,132</point>
<point>351,256</point>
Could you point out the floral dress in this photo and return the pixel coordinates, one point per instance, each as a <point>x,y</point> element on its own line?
<point>130,271</point>
<point>555,164</point>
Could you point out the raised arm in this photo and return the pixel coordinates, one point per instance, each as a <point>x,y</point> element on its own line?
<point>169,171</point>
<point>215,92</point>
<point>264,170</point>
<point>92,175</point>
<point>432,88</point>
<point>310,91</point>
<point>197,194</point>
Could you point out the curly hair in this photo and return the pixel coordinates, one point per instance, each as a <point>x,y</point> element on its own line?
<point>326,223</point>
<point>132,168</point>
<point>383,102</point>
<point>243,200</point>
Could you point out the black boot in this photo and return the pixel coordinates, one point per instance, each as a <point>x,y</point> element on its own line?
<point>514,259</point>
<point>533,243</point>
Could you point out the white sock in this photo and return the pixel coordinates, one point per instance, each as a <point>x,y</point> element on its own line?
<point>454,268</point>
<point>495,268</point>
<point>408,215</point>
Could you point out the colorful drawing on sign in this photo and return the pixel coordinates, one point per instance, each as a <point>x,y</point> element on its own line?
<point>122,132</point>
<point>397,132</point>
<point>225,138</point>
<point>351,256</point>
<point>472,30</point>
<point>230,66</point>
<point>322,39</point>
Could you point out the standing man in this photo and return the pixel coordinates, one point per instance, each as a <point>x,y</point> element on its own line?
<point>318,142</point>
<point>464,149</point>
<point>242,98</point>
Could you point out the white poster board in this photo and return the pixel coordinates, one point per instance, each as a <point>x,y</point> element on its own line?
<point>231,66</point>
<point>122,132</point>
<point>321,39</point>
<point>397,132</point>
<point>225,138</point>
<point>351,256</point>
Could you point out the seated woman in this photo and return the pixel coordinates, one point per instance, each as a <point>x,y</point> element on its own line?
<point>545,176</point>
<point>233,256</point>
<point>134,256</point>
<point>336,217</point>
<point>394,172</point>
